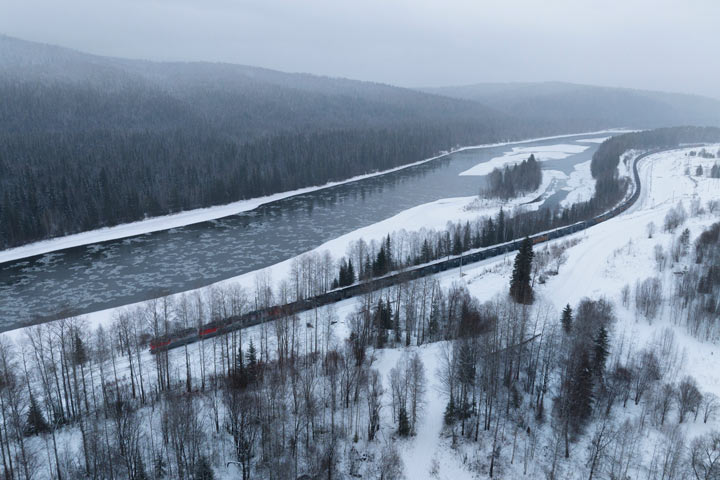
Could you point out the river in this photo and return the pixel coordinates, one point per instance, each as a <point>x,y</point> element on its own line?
<point>94,277</point>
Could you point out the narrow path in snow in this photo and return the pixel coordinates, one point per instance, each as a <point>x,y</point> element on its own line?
<point>427,446</point>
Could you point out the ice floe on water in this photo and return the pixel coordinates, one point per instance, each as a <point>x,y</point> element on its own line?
<point>518,154</point>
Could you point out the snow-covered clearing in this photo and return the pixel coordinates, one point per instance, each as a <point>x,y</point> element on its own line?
<point>420,451</point>
<point>190,217</point>
<point>518,154</point>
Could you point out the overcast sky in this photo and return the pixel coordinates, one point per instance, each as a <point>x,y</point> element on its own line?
<point>652,44</point>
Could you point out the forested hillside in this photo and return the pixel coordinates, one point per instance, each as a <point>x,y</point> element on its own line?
<point>55,89</point>
<point>586,103</point>
<point>88,141</point>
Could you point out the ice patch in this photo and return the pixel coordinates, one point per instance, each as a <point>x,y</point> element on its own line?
<point>518,154</point>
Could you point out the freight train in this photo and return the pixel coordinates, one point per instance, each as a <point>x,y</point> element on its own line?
<point>221,327</point>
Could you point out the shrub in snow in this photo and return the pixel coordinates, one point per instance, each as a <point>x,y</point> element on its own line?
<point>675,217</point>
<point>648,297</point>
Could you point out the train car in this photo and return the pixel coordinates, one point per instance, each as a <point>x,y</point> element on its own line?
<point>159,344</point>
<point>207,331</point>
<point>539,239</point>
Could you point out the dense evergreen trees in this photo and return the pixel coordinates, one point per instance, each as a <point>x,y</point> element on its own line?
<point>607,157</point>
<point>36,422</point>
<point>715,171</point>
<point>581,391</point>
<point>601,350</point>
<point>514,180</point>
<point>346,276</point>
<point>383,263</point>
<point>89,142</point>
<point>566,319</point>
<point>403,423</point>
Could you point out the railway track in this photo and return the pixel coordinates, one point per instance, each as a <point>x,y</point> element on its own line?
<point>227,325</point>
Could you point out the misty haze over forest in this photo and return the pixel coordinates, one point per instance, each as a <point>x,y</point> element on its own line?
<point>644,44</point>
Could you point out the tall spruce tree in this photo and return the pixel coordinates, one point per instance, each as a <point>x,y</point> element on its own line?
<point>79,352</point>
<point>500,227</point>
<point>426,253</point>
<point>251,355</point>
<point>403,422</point>
<point>581,391</point>
<point>567,318</point>
<point>600,351</point>
<point>349,274</point>
<point>251,364</point>
<point>35,419</point>
<point>520,288</point>
<point>389,261</point>
<point>379,266</point>
<point>239,365</point>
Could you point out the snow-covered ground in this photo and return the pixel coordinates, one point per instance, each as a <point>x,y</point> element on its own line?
<point>607,257</point>
<point>518,154</point>
<point>618,251</point>
<point>190,217</point>
<point>425,448</point>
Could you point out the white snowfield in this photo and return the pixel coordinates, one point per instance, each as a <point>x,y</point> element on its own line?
<point>190,217</point>
<point>518,154</point>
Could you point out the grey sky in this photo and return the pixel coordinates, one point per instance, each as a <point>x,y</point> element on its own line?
<point>652,44</point>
